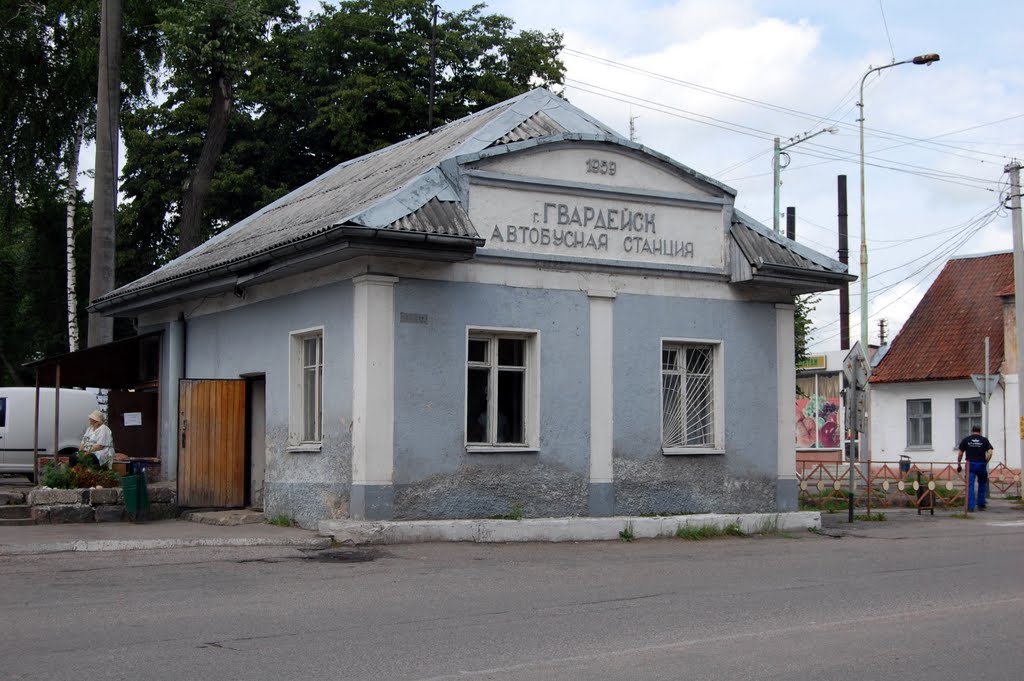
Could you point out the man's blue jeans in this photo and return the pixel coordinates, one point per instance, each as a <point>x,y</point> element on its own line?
<point>979,470</point>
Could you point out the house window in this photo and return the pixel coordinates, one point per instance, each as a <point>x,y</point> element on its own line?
<point>691,402</point>
<point>306,399</point>
<point>501,399</point>
<point>968,415</point>
<point>919,423</point>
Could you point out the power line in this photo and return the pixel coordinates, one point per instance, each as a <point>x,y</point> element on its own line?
<point>888,37</point>
<point>762,104</point>
<point>671,110</point>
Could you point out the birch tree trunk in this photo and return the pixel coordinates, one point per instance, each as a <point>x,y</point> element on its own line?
<point>76,147</point>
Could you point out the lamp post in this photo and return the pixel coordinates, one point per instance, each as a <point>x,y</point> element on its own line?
<point>920,59</point>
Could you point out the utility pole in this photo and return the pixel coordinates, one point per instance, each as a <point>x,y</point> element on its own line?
<point>108,109</point>
<point>632,127</point>
<point>777,165</point>
<point>1018,290</point>
<point>844,257</point>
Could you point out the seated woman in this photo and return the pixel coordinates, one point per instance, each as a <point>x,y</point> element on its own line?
<point>98,442</point>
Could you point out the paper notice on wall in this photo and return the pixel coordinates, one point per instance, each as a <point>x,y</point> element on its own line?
<point>133,418</point>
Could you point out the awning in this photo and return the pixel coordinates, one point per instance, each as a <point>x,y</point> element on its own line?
<point>124,364</point>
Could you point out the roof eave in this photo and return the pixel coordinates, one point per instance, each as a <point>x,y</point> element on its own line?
<point>347,241</point>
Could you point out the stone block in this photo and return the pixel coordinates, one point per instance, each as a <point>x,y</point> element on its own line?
<point>12,498</point>
<point>63,513</point>
<point>104,496</point>
<point>161,495</point>
<point>110,514</point>
<point>44,496</point>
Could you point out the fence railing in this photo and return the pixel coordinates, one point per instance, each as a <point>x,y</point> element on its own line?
<point>888,484</point>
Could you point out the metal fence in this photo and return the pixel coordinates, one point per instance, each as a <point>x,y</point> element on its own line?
<point>889,484</point>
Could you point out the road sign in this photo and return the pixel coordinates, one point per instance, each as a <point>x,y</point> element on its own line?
<point>855,366</point>
<point>985,390</point>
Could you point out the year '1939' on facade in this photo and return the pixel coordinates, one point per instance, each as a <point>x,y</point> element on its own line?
<point>520,309</point>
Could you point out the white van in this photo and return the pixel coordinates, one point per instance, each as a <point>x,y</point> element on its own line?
<point>17,416</point>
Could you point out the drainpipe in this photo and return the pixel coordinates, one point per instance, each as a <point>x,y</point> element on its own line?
<point>176,338</point>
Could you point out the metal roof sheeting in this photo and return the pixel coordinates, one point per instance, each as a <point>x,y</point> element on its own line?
<point>437,217</point>
<point>538,125</point>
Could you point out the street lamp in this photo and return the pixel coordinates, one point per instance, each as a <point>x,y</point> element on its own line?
<point>926,59</point>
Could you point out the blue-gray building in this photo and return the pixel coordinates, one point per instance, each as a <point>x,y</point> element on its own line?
<point>520,309</point>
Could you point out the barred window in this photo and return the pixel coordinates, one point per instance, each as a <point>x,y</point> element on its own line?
<point>688,401</point>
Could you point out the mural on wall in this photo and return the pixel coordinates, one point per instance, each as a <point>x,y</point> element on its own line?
<point>817,412</point>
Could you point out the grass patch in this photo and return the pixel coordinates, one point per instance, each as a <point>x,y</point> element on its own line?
<point>698,532</point>
<point>281,521</point>
<point>826,502</point>
<point>626,533</point>
<point>962,515</point>
<point>515,514</point>
<point>871,517</point>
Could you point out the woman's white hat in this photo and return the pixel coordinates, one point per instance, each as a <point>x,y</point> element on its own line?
<point>97,416</point>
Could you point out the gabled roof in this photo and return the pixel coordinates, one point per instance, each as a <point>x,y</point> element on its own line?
<point>405,197</point>
<point>944,339</point>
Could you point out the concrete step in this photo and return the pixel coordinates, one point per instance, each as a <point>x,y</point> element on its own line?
<point>16,512</point>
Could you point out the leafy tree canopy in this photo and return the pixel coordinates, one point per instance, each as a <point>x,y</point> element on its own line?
<point>307,94</point>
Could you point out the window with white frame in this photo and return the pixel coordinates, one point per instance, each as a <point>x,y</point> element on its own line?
<point>919,423</point>
<point>501,387</point>
<point>968,415</point>
<point>306,399</point>
<point>691,402</point>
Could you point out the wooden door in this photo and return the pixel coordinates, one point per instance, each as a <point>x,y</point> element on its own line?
<point>211,443</point>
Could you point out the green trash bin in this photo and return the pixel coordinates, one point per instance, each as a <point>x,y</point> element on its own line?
<point>136,496</point>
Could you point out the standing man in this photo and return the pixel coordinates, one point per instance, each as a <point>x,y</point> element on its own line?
<point>979,451</point>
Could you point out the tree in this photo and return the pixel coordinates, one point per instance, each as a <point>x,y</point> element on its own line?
<point>47,54</point>
<point>307,95</point>
<point>805,306</point>
<point>108,117</point>
<point>48,70</point>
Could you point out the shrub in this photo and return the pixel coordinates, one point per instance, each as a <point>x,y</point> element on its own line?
<point>61,477</point>
<point>58,477</point>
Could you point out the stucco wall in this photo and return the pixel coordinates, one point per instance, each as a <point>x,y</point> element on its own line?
<point>889,421</point>
<point>254,339</point>
<point>434,475</point>
<point>741,479</point>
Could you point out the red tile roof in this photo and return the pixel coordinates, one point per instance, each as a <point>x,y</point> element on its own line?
<point>944,339</point>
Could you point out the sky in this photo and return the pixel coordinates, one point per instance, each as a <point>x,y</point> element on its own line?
<point>711,83</point>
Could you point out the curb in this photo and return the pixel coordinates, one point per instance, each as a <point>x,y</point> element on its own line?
<point>355,532</point>
<point>96,545</point>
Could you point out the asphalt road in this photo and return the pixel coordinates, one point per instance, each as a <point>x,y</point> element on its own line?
<point>922,599</point>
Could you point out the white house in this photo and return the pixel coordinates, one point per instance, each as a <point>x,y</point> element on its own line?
<point>923,400</point>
